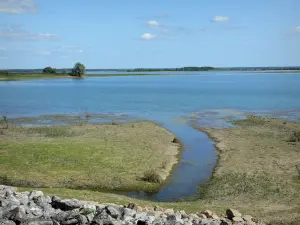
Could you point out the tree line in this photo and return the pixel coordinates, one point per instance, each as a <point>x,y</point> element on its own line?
<point>77,71</point>
<point>188,68</point>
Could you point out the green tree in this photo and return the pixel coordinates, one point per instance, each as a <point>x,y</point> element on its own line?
<point>49,69</point>
<point>78,70</point>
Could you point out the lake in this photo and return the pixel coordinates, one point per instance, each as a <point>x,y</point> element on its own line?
<point>172,101</point>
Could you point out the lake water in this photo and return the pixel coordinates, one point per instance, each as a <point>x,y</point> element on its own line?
<point>172,101</point>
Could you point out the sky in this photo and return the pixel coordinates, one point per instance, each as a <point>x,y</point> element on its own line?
<point>149,34</point>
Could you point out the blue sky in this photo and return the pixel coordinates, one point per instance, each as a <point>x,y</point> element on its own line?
<point>144,33</point>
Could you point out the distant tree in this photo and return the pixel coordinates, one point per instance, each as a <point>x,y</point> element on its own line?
<point>3,72</point>
<point>49,69</point>
<point>78,70</point>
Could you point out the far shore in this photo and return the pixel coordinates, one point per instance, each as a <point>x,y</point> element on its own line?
<point>27,76</point>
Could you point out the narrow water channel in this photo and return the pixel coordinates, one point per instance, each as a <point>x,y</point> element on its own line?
<point>195,166</point>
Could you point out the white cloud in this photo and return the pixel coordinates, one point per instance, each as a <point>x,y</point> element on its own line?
<point>148,36</point>
<point>2,49</point>
<point>297,29</point>
<point>220,19</point>
<point>19,34</point>
<point>17,6</point>
<point>153,23</point>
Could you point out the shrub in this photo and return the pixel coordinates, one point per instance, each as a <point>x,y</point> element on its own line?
<point>151,176</point>
<point>4,121</point>
<point>298,170</point>
<point>49,70</point>
<point>3,72</point>
<point>78,70</point>
<point>294,136</point>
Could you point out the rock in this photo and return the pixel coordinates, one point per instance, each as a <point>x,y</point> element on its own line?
<point>215,216</point>
<point>158,208</point>
<point>247,218</point>
<point>42,200</point>
<point>6,222</point>
<point>141,216</point>
<point>67,204</point>
<point>183,214</point>
<point>209,222</point>
<point>169,212</point>
<point>202,216</point>
<point>22,198</point>
<point>35,208</point>
<point>38,222</point>
<point>128,212</point>
<point>132,206</point>
<point>114,211</point>
<point>4,189</point>
<point>102,218</point>
<point>207,213</point>
<point>237,219</point>
<point>178,216</point>
<point>232,213</point>
<point>35,194</point>
<point>17,215</point>
<point>224,223</point>
<point>194,216</point>
<point>141,222</point>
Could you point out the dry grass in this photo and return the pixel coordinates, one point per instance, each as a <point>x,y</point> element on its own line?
<point>257,168</point>
<point>95,157</point>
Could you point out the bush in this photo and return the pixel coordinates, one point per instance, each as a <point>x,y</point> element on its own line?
<point>3,72</point>
<point>49,70</point>
<point>294,136</point>
<point>4,122</point>
<point>78,70</point>
<point>151,176</point>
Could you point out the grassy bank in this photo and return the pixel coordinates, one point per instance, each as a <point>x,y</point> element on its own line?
<point>112,157</point>
<point>257,172</point>
<point>28,76</point>
<point>258,167</point>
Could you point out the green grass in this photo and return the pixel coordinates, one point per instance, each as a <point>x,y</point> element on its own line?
<point>250,121</point>
<point>26,76</point>
<point>94,157</point>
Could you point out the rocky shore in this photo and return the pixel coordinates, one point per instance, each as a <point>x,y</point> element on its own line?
<point>36,208</point>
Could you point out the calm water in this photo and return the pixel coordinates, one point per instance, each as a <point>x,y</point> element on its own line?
<point>168,100</point>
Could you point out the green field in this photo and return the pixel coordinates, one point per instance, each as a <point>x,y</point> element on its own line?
<point>88,156</point>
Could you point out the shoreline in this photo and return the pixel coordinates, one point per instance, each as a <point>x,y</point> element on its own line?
<point>21,77</point>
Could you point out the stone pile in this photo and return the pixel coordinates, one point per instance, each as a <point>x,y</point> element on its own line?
<point>35,208</point>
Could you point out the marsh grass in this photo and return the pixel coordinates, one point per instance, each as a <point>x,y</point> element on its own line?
<point>87,156</point>
<point>152,176</point>
<point>51,131</point>
<point>257,167</point>
<point>249,186</point>
<point>250,121</point>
